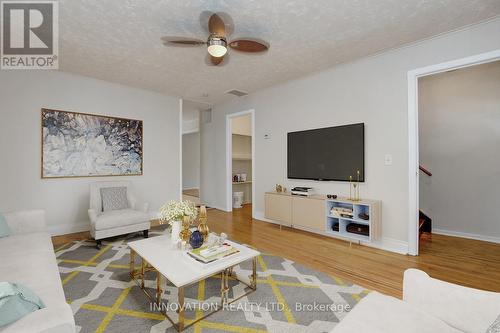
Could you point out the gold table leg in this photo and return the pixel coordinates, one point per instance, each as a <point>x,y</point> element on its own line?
<point>224,287</point>
<point>253,278</point>
<point>181,322</point>
<point>143,268</point>
<point>132,264</point>
<point>180,325</point>
<point>158,288</point>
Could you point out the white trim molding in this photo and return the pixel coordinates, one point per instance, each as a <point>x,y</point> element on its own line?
<point>483,238</point>
<point>229,159</point>
<point>413,152</point>
<point>181,102</point>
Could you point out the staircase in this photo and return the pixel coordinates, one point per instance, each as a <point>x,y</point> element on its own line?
<point>424,221</point>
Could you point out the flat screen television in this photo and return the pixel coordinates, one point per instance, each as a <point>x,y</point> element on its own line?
<point>332,153</point>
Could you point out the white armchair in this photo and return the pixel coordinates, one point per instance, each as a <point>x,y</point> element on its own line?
<point>104,224</point>
<point>428,306</point>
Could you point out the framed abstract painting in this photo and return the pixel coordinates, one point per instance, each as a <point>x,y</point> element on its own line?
<point>86,145</point>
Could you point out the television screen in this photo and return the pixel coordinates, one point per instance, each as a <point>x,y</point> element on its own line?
<point>333,153</point>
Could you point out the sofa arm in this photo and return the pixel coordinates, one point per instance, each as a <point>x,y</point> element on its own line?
<point>28,221</point>
<point>466,309</point>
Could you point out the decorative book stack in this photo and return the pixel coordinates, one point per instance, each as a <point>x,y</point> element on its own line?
<point>208,254</point>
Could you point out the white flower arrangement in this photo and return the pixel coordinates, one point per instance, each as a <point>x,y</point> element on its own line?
<point>176,210</point>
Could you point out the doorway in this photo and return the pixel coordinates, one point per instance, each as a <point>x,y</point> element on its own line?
<point>458,137</point>
<point>191,151</point>
<point>415,170</point>
<point>240,160</point>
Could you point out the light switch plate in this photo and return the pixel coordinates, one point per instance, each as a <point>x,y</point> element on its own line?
<point>388,159</point>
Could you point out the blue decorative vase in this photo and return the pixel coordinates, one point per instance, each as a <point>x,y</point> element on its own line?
<point>196,239</point>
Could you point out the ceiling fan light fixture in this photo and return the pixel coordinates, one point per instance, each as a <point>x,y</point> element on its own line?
<point>217,46</point>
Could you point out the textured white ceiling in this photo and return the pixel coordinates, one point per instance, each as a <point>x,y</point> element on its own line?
<point>119,40</point>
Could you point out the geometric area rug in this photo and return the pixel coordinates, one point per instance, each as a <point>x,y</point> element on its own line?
<point>289,298</point>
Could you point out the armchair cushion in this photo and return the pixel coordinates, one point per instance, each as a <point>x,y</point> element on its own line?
<point>119,218</point>
<point>114,198</point>
<point>495,327</point>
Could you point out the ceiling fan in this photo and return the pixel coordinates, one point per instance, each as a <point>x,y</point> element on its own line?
<point>217,43</point>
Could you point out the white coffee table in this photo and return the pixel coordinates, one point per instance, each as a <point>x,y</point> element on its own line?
<point>158,254</point>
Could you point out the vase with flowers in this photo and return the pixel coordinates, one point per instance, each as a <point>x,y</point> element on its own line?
<point>175,213</point>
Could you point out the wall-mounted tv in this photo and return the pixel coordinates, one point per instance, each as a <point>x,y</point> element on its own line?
<point>332,153</point>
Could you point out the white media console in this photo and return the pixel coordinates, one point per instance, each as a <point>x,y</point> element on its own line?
<point>314,214</point>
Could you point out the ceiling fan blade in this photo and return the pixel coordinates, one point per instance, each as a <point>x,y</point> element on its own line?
<point>205,16</point>
<point>181,41</point>
<point>216,25</point>
<point>213,61</point>
<point>249,45</point>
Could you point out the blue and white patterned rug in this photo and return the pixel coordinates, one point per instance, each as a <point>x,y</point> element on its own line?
<point>289,297</point>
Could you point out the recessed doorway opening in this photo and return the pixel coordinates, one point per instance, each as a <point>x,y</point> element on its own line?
<point>240,158</point>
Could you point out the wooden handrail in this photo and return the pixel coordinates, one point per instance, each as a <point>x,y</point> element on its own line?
<point>424,170</point>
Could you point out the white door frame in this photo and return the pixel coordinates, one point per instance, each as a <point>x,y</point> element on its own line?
<point>229,159</point>
<point>413,157</point>
<point>181,112</point>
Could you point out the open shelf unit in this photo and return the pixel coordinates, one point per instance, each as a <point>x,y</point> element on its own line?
<point>313,214</point>
<point>368,207</point>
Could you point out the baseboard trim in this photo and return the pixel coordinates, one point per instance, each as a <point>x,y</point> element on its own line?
<point>386,244</point>
<point>483,238</point>
<point>391,245</point>
<point>217,207</point>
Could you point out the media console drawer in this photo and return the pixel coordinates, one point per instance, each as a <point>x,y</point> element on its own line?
<point>308,213</point>
<point>278,208</point>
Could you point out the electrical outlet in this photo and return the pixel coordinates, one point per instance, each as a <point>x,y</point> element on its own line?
<point>388,159</point>
<point>267,136</point>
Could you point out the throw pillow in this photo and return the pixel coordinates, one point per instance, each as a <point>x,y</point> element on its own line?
<point>17,301</point>
<point>114,198</point>
<point>495,327</point>
<point>4,227</point>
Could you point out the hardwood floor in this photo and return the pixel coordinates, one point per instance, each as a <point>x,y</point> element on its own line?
<point>467,262</point>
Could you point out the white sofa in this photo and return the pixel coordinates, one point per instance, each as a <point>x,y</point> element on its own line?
<point>428,305</point>
<point>116,222</point>
<point>27,257</point>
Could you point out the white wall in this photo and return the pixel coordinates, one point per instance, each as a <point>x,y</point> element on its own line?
<point>191,160</point>
<point>24,93</point>
<point>190,118</point>
<point>459,125</point>
<point>242,125</point>
<point>372,90</point>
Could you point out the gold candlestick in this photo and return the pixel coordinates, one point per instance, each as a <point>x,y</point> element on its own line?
<point>185,233</point>
<point>350,187</point>
<point>357,196</point>
<point>203,227</point>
